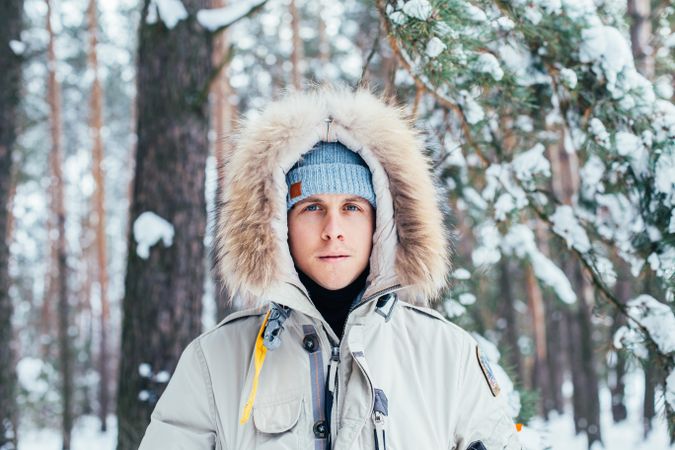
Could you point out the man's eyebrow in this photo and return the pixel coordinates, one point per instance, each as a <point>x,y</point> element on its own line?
<point>310,200</point>
<point>355,199</point>
<point>319,200</point>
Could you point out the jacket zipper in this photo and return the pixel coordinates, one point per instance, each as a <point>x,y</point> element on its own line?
<point>380,436</point>
<point>335,362</point>
<point>333,390</point>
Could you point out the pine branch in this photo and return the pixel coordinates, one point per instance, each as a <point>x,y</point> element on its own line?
<point>442,100</point>
<point>373,50</point>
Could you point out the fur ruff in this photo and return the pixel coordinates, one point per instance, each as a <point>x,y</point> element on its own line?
<point>252,253</point>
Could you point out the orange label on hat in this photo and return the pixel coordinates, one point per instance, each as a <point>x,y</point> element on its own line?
<point>296,189</point>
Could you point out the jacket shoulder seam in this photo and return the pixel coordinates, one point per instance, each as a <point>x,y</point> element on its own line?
<point>427,312</point>
<point>236,316</point>
<point>433,314</point>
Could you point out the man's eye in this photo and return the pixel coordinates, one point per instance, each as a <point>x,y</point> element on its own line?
<point>352,207</point>
<point>312,208</point>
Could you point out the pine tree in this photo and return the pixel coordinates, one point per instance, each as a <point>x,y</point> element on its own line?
<point>164,282</point>
<point>59,215</point>
<point>519,76</point>
<point>10,76</point>
<point>96,124</point>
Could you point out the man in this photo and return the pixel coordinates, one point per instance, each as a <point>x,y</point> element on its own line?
<point>330,231</point>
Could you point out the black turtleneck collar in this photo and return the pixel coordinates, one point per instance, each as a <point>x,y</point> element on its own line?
<point>334,304</point>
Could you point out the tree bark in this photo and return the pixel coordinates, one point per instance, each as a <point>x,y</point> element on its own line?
<point>543,379</point>
<point>617,386</point>
<point>59,212</point>
<point>586,400</point>
<point>11,13</point>
<point>556,357</point>
<point>163,293</point>
<point>224,116</point>
<point>580,330</point>
<point>540,376</point>
<point>576,368</point>
<point>96,124</point>
<point>648,406</point>
<point>591,397</point>
<point>639,12</point>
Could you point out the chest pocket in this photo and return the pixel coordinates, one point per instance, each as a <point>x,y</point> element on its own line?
<point>279,423</point>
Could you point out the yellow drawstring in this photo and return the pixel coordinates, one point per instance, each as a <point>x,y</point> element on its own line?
<point>259,353</point>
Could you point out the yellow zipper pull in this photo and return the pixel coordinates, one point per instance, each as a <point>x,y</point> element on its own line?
<point>259,354</point>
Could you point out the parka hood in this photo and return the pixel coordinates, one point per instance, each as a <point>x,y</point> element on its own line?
<point>410,244</point>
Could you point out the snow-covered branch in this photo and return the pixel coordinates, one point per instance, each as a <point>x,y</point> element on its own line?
<point>170,12</point>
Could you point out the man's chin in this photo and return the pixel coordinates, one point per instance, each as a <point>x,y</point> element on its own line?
<point>333,284</point>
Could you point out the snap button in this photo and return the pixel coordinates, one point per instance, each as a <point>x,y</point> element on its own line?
<point>383,300</point>
<point>320,429</point>
<point>310,343</point>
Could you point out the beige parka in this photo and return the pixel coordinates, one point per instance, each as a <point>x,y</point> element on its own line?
<point>400,377</point>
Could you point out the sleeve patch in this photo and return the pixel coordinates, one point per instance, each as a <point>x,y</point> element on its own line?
<point>488,373</point>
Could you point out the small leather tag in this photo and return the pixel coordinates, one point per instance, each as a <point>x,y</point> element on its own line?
<point>296,189</point>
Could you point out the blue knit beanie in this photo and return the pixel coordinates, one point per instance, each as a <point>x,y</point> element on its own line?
<point>329,168</point>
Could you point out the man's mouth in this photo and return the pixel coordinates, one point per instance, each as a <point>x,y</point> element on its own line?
<point>333,257</point>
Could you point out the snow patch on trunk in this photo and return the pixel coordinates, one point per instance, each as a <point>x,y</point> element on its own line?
<point>149,229</point>
<point>213,19</point>
<point>169,11</point>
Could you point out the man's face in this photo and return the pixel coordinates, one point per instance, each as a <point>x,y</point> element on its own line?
<point>330,237</point>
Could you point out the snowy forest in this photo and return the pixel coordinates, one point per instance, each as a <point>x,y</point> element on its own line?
<point>550,125</point>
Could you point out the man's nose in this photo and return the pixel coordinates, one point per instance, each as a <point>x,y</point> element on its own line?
<point>332,228</point>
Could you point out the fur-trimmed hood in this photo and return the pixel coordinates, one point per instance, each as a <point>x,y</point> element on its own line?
<point>410,243</point>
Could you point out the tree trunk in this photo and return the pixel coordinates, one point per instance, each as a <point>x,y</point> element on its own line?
<point>641,35</point>
<point>587,353</point>
<point>59,211</point>
<point>556,338</point>
<point>549,398</point>
<point>576,367</point>
<point>11,196</point>
<point>163,292</point>
<point>296,53</point>
<point>586,399</point>
<point>224,116</point>
<point>648,406</point>
<point>580,330</point>
<point>96,123</point>
<point>540,376</point>
<point>84,311</point>
<point>617,385</point>
<point>508,312</point>
<point>11,13</point>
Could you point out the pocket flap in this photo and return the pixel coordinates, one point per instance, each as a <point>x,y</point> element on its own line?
<point>277,417</point>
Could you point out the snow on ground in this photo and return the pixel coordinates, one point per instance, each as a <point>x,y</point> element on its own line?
<point>86,436</point>
<point>557,434</point>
